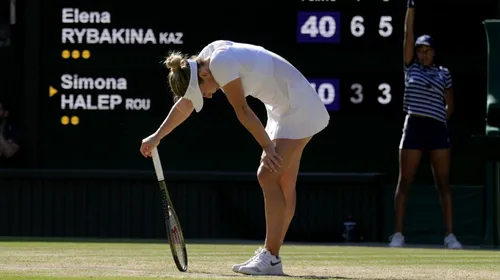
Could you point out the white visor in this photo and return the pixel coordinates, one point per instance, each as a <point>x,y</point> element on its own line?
<point>193,92</point>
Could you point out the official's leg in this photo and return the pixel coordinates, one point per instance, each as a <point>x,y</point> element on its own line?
<point>410,153</point>
<point>409,161</point>
<point>440,162</point>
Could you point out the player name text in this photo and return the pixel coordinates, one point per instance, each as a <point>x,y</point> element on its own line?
<point>74,81</point>
<point>71,15</point>
<point>119,36</point>
<point>102,102</point>
<point>87,35</point>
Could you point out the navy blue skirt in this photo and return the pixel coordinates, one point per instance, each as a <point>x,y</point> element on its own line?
<point>422,133</point>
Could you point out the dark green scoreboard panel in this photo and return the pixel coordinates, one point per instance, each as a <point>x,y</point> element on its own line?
<point>103,87</point>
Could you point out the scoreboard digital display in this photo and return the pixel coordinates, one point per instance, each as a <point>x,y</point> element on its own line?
<point>104,88</point>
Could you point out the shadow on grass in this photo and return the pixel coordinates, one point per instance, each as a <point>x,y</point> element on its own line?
<point>315,277</point>
<point>225,242</point>
<point>235,275</point>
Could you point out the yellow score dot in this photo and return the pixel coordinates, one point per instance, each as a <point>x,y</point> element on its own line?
<point>65,54</point>
<point>65,120</point>
<point>75,120</point>
<point>75,54</point>
<point>85,54</point>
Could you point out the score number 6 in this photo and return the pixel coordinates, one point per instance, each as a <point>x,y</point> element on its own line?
<point>385,28</point>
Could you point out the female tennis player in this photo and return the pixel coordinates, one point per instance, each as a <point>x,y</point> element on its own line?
<point>428,101</point>
<point>295,113</point>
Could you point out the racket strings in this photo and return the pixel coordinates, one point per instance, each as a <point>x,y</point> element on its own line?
<point>177,239</point>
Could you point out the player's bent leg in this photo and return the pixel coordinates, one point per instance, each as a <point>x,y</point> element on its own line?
<point>275,206</point>
<point>288,183</point>
<point>268,261</point>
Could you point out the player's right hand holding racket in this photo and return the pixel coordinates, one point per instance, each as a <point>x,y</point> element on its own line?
<point>149,143</point>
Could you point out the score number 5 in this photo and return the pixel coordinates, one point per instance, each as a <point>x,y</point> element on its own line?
<point>384,26</point>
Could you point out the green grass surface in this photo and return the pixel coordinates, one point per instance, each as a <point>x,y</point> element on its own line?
<point>124,261</point>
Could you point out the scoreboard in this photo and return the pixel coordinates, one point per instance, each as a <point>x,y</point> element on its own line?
<point>103,87</point>
<point>345,42</point>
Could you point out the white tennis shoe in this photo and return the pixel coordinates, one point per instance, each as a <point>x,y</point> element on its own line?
<point>236,267</point>
<point>263,264</point>
<point>451,242</point>
<point>397,240</point>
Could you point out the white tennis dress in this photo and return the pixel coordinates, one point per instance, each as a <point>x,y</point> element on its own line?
<point>294,109</point>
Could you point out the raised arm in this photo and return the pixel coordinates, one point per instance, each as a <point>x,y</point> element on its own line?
<point>409,36</point>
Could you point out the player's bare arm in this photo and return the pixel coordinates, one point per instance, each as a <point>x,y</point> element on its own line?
<point>235,95</point>
<point>181,110</point>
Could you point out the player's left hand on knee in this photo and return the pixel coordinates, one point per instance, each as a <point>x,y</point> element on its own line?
<point>271,159</point>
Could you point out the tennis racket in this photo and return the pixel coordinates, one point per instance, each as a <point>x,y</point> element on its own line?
<point>173,227</point>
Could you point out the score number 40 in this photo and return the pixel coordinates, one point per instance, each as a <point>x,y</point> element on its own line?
<point>326,26</point>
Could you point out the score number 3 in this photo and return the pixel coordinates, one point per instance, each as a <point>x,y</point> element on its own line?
<point>384,99</point>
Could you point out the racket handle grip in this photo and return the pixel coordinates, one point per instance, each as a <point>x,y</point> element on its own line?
<point>157,164</point>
